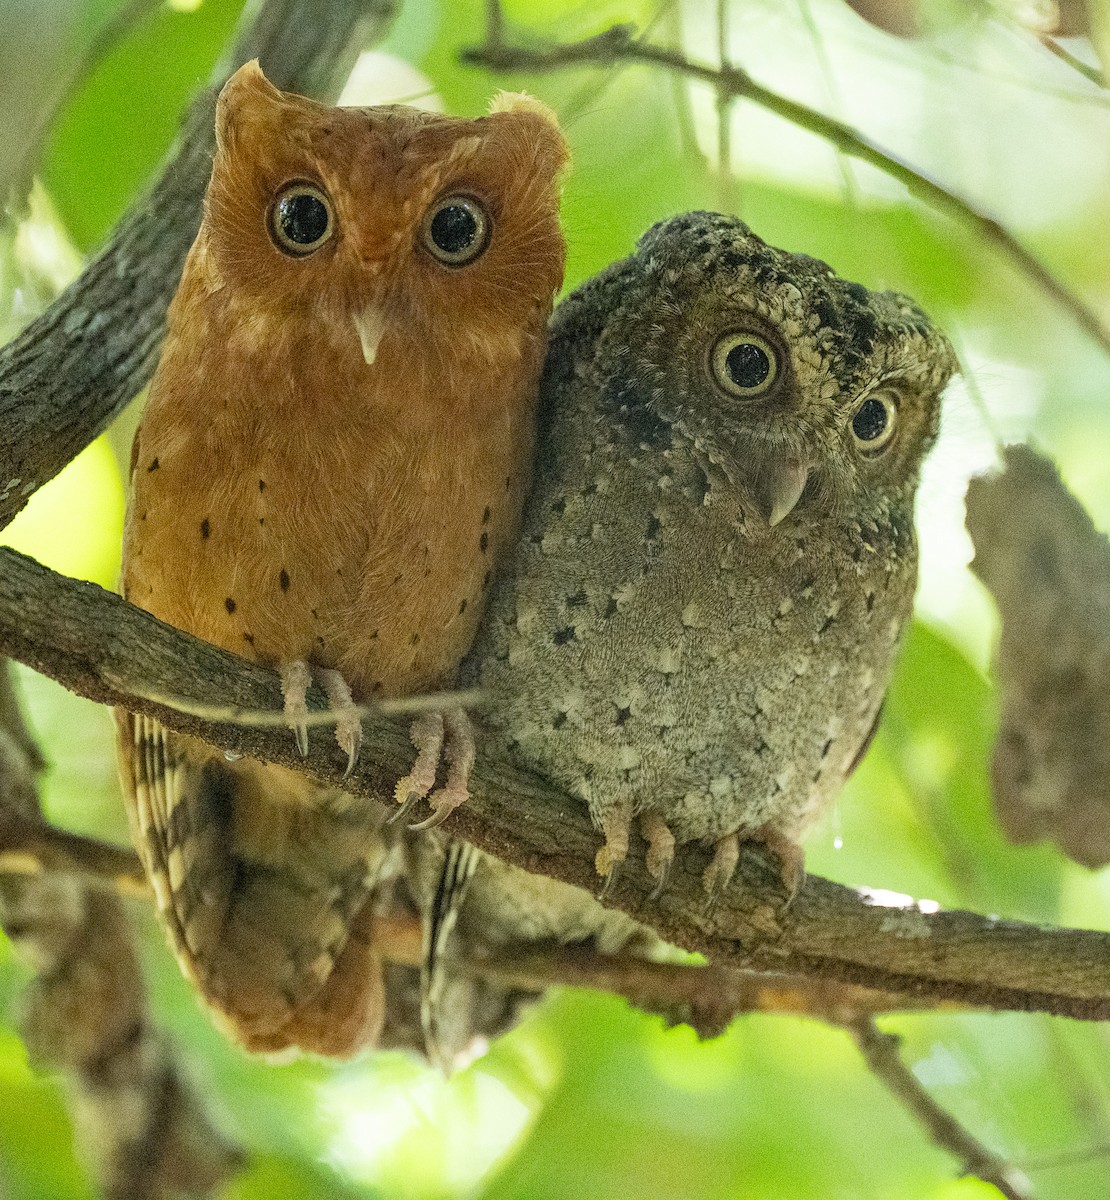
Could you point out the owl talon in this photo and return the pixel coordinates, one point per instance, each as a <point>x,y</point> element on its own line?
<point>295,678</point>
<point>612,854</point>
<point>443,802</point>
<point>660,851</point>
<point>718,875</point>
<point>348,726</point>
<point>438,735</point>
<point>789,856</point>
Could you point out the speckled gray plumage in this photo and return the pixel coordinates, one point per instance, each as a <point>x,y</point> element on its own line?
<point>655,646</point>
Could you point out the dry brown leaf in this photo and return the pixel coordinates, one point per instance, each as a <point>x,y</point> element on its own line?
<point>1048,569</point>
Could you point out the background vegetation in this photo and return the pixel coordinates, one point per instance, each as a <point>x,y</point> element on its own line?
<point>588,1097</point>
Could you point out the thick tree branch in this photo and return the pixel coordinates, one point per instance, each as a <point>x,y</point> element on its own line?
<point>68,374</point>
<point>620,45</point>
<point>103,648</point>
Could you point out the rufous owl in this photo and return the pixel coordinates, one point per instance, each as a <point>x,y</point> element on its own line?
<point>334,453</point>
<point>718,560</point>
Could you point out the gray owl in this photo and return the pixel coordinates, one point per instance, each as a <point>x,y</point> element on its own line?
<point>718,560</point>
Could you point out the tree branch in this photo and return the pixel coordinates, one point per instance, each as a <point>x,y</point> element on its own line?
<point>620,45</point>
<point>103,648</point>
<point>880,1051</point>
<point>85,1013</point>
<point>68,374</point>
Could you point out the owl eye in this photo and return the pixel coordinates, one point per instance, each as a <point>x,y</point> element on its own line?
<point>301,219</point>
<point>875,422</point>
<point>456,230</point>
<point>744,364</point>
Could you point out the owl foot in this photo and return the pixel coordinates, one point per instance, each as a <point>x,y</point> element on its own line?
<point>296,676</point>
<point>660,851</point>
<point>718,875</point>
<point>608,860</point>
<point>348,726</point>
<point>437,735</point>
<point>790,857</point>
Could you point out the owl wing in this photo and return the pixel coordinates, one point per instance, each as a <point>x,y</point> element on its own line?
<point>278,943</point>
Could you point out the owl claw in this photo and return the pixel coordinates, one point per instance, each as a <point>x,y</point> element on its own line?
<point>348,726</point>
<point>614,851</point>
<point>296,675</point>
<point>718,875</point>
<point>295,678</point>
<point>660,851</point>
<point>437,735</point>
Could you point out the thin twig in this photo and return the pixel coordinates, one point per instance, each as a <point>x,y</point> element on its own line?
<point>880,1050</point>
<point>1094,74</point>
<point>620,45</point>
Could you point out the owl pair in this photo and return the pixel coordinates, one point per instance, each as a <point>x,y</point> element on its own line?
<point>686,618</point>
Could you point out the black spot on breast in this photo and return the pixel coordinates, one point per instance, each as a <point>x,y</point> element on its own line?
<point>262,485</point>
<point>826,625</point>
<point>560,720</point>
<point>248,638</point>
<point>205,528</point>
<point>229,604</point>
<point>483,542</point>
<point>154,464</point>
<point>485,580</point>
<point>262,520</point>
<point>623,715</point>
<point>567,634</point>
<point>486,516</point>
<point>414,640</point>
<point>283,579</point>
<point>462,607</point>
<point>611,607</point>
<point>558,507</point>
<point>577,600</point>
<point>654,528</point>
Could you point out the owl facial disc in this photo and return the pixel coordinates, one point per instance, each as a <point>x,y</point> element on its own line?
<point>370,325</point>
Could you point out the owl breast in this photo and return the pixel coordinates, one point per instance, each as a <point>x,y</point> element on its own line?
<point>725,678</point>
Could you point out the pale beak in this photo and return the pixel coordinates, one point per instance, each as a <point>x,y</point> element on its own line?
<point>369,325</point>
<point>780,487</point>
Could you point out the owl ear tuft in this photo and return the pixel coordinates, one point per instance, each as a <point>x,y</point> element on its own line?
<point>243,93</point>
<point>521,102</point>
<point>535,122</point>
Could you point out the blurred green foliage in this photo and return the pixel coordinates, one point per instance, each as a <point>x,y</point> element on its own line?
<point>588,1097</point>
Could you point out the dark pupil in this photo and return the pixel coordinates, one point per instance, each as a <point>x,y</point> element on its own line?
<point>870,421</point>
<point>303,218</point>
<point>454,228</point>
<point>748,365</point>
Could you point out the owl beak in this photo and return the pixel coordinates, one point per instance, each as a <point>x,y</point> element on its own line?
<point>369,325</point>
<point>780,487</point>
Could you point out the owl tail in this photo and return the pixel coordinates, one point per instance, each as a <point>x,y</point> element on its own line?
<point>459,864</point>
<point>264,883</point>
